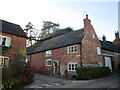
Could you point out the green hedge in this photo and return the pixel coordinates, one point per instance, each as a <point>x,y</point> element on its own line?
<point>86,73</point>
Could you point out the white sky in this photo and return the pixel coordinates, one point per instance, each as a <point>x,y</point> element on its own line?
<point>103,14</point>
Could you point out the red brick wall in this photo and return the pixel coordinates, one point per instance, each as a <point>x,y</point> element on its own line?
<point>90,44</point>
<point>60,54</point>
<point>17,43</point>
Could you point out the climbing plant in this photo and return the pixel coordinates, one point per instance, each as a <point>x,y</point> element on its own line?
<point>4,49</point>
<point>18,65</point>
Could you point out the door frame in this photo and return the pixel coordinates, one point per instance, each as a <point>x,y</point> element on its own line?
<point>54,67</point>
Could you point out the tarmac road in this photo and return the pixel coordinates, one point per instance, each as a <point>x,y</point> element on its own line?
<point>45,81</point>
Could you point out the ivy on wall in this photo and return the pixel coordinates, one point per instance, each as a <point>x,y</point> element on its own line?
<point>4,49</point>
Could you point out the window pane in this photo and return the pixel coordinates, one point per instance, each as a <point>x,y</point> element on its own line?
<point>8,40</point>
<point>98,51</point>
<point>72,66</point>
<point>0,61</point>
<point>75,49</point>
<point>6,61</point>
<point>75,66</point>
<point>3,40</point>
<point>69,49</point>
<point>93,36</point>
<point>69,66</point>
<point>49,62</point>
<point>72,49</point>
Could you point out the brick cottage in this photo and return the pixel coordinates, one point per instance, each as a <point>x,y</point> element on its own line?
<point>12,37</point>
<point>68,51</point>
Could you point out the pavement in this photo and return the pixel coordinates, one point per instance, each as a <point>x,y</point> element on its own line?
<point>46,81</point>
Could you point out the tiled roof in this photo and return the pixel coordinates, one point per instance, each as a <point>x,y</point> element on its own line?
<point>73,37</point>
<point>109,46</point>
<point>11,28</point>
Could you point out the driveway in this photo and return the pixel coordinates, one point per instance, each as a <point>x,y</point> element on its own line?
<point>45,81</point>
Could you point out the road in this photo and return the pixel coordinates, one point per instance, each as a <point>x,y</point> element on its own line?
<point>45,81</point>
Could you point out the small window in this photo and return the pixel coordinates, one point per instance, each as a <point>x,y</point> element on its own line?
<point>93,36</point>
<point>72,49</point>
<point>98,51</point>
<point>5,41</point>
<point>72,66</point>
<point>48,62</point>
<point>4,61</point>
<point>49,53</point>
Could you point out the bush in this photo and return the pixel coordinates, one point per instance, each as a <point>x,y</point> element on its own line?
<point>26,77</point>
<point>86,73</point>
<point>9,84</point>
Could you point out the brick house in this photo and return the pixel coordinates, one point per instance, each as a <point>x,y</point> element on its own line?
<point>13,37</point>
<point>68,51</point>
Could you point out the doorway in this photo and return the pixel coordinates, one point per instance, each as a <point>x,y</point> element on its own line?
<point>108,62</point>
<point>55,64</point>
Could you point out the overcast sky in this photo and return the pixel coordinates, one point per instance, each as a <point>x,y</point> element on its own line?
<point>68,13</point>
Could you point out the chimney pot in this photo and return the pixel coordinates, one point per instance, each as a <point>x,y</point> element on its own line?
<point>117,35</point>
<point>104,38</point>
<point>87,16</point>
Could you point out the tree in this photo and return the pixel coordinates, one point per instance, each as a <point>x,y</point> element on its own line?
<point>47,28</point>
<point>32,34</point>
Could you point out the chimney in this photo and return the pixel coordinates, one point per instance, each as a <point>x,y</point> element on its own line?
<point>87,23</point>
<point>117,35</point>
<point>104,38</point>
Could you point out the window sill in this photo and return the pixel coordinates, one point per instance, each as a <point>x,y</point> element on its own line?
<point>71,71</point>
<point>99,54</point>
<point>48,65</point>
<point>48,56</point>
<point>71,52</point>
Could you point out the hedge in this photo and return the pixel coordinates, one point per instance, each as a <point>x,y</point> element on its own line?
<point>86,73</point>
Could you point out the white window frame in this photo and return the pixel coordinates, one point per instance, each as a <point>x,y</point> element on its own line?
<point>98,50</point>
<point>69,49</point>
<point>3,62</point>
<point>7,41</point>
<point>71,66</point>
<point>48,53</point>
<point>46,62</point>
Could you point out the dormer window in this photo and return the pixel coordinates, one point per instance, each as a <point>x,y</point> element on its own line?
<point>5,41</point>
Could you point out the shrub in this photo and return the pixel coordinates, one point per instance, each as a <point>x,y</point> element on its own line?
<point>9,84</point>
<point>86,73</point>
<point>26,77</point>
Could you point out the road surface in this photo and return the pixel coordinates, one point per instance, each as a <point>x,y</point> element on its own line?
<point>45,81</point>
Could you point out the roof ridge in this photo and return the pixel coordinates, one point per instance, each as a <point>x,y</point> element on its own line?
<point>64,34</point>
<point>9,22</point>
<point>73,37</point>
